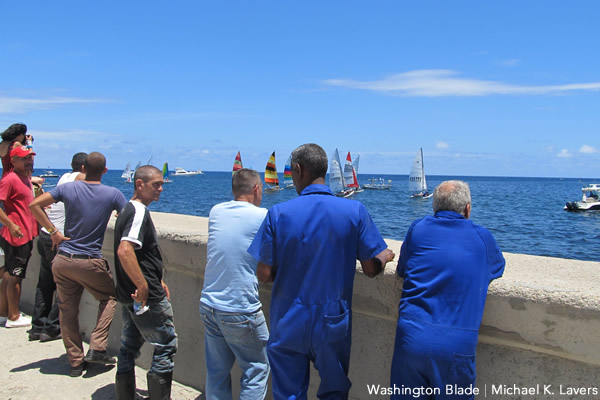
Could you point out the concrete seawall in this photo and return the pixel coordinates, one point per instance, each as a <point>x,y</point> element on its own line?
<point>541,324</point>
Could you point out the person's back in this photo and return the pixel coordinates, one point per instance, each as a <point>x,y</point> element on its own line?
<point>308,247</point>
<point>447,263</point>
<point>320,226</point>
<point>88,208</point>
<point>230,282</point>
<point>235,328</point>
<point>448,255</point>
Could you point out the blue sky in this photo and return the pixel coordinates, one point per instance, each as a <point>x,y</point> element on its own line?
<point>502,88</point>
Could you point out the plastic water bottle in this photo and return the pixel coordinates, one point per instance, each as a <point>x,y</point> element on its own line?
<point>138,309</point>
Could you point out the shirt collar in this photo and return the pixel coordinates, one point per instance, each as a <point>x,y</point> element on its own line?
<point>316,189</point>
<point>449,215</point>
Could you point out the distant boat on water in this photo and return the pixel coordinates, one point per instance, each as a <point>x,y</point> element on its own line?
<point>378,184</point>
<point>182,172</point>
<point>288,182</point>
<point>417,183</point>
<point>350,175</point>
<point>237,163</point>
<point>337,183</point>
<point>48,174</point>
<point>590,199</point>
<point>271,178</point>
<point>165,173</point>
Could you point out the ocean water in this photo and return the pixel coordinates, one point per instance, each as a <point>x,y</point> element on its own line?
<point>524,214</point>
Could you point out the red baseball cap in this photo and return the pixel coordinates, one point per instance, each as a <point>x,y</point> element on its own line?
<point>21,151</point>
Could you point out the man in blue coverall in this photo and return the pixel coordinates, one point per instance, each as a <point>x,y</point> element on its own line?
<point>308,247</point>
<point>447,263</point>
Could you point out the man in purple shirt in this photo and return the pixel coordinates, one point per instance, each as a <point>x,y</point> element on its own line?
<point>79,263</point>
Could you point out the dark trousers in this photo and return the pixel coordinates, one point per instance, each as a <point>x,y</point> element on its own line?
<point>45,309</point>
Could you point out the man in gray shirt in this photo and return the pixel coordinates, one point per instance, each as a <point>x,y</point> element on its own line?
<point>79,263</point>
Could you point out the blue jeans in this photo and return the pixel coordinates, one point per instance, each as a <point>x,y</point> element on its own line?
<point>231,336</point>
<point>156,327</point>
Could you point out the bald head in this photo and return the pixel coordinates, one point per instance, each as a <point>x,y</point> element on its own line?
<point>452,196</point>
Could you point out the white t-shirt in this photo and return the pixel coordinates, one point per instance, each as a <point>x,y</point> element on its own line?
<point>230,282</point>
<point>56,211</point>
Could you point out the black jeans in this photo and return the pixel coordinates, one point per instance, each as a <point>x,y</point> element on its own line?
<point>45,313</point>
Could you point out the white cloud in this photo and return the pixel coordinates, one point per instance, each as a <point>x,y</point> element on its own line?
<point>511,62</point>
<point>564,153</point>
<point>439,82</point>
<point>441,145</point>
<point>21,105</point>
<point>587,149</point>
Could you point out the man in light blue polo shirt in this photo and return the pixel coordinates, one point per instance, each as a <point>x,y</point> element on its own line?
<point>447,263</point>
<point>234,324</point>
<point>308,247</point>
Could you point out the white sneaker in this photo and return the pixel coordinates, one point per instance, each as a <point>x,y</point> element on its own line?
<point>3,320</point>
<point>19,322</point>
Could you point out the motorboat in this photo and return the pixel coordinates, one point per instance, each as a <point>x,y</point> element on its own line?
<point>378,184</point>
<point>182,172</point>
<point>590,200</point>
<point>48,174</point>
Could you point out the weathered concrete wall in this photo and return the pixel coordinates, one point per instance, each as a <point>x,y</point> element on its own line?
<point>541,324</point>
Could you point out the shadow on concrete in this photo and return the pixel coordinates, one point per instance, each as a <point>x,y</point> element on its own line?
<point>92,370</point>
<point>60,366</point>
<point>48,366</point>
<point>104,393</point>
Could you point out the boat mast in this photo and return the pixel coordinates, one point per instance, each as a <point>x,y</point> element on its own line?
<point>423,184</point>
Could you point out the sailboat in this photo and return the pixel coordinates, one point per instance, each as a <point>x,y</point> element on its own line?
<point>288,182</point>
<point>337,183</point>
<point>165,173</point>
<point>127,172</point>
<point>350,175</point>
<point>271,178</point>
<point>417,183</point>
<point>237,163</point>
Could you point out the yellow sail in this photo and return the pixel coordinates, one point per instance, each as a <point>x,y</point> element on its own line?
<point>271,172</point>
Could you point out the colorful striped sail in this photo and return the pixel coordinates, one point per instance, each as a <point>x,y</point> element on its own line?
<point>165,172</point>
<point>237,164</point>
<point>287,173</point>
<point>271,172</point>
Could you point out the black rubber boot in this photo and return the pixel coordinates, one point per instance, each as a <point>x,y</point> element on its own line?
<point>159,385</point>
<point>125,386</point>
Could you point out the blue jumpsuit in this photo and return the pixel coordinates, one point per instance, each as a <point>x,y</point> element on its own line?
<point>447,263</point>
<point>312,243</point>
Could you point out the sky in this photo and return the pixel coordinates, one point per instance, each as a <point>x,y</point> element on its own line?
<point>487,88</point>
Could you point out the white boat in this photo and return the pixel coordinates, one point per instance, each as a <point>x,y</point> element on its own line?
<point>337,183</point>
<point>127,172</point>
<point>417,183</point>
<point>350,176</point>
<point>378,184</point>
<point>590,200</point>
<point>48,174</point>
<point>182,172</point>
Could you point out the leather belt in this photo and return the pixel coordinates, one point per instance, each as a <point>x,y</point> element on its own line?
<point>75,256</point>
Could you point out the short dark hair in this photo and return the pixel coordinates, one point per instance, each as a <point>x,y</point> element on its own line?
<point>78,161</point>
<point>313,158</point>
<point>11,133</point>
<point>94,164</point>
<point>146,172</point>
<point>243,181</point>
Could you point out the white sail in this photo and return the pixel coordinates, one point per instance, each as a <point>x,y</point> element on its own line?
<point>355,163</point>
<point>127,171</point>
<point>336,179</point>
<point>416,180</point>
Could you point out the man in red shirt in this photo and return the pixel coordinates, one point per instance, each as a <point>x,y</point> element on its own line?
<point>16,235</point>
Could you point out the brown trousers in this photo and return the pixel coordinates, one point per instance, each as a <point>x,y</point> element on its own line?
<point>72,276</point>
